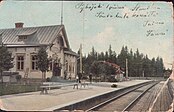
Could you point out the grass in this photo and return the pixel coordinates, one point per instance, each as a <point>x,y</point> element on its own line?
<point>7,89</point>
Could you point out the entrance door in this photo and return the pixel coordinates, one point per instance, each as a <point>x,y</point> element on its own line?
<point>56,69</point>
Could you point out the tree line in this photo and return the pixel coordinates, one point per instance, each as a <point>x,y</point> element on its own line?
<point>139,64</point>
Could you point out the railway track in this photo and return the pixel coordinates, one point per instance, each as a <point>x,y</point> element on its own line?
<point>145,102</point>
<point>164,99</point>
<point>124,100</point>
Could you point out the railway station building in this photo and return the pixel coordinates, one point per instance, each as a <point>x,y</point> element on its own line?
<point>24,43</point>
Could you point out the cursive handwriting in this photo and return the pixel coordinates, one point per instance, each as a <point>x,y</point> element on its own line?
<point>144,15</point>
<point>138,7</point>
<point>114,7</point>
<point>109,15</point>
<point>154,33</point>
<point>152,23</point>
<point>148,12</point>
<point>82,6</point>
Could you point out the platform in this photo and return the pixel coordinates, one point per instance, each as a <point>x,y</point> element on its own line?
<point>59,97</point>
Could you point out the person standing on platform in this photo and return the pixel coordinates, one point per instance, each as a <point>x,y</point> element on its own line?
<point>90,77</point>
<point>80,77</point>
<point>77,79</point>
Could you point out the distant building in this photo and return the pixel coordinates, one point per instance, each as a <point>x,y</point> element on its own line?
<point>24,43</point>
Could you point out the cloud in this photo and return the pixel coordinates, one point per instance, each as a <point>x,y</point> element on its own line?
<point>104,36</point>
<point>101,40</point>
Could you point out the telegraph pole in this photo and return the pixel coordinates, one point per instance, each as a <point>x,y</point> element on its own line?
<point>126,68</point>
<point>81,70</point>
<point>61,13</point>
<point>83,25</point>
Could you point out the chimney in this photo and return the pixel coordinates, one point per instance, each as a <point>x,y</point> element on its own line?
<point>19,25</point>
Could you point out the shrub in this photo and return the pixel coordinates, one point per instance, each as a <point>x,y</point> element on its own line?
<point>18,77</point>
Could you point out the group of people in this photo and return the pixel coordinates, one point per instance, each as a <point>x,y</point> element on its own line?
<point>79,77</point>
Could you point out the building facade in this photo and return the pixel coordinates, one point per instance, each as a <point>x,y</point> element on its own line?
<point>24,43</point>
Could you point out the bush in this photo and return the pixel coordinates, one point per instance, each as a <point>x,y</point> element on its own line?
<point>114,86</point>
<point>18,77</point>
<point>112,78</point>
<point>18,88</point>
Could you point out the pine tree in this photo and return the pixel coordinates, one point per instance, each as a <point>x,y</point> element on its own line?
<point>110,53</point>
<point>121,59</point>
<point>131,63</point>
<point>146,66</point>
<point>153,69</point>
<point>95,69</point>
<point>42,62</point>
<point>114,57</point>
<point>106,56</point>
<point>5,60</point>
<point>102,56</point>
<point>138,63</point>
<point>159,66</point>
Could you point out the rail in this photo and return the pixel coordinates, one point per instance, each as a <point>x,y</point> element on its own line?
<point>114,98</point>
<point>137,98</point>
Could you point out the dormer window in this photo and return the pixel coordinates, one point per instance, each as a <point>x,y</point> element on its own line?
<point>22,38</point>
<point>25,35</point>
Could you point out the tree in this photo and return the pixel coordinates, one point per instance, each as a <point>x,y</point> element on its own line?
<point>106,56</point>
<point>146,66</point>
<point>95,69</point>
<point>42,62</point>
<point>110,53</point>
<point>131,64</point>
<point>5,60</point>
<point>152,66</point>
<point>159,66</point>
<point>121,59</point>
<point>138,63</point>
<point>18,78</point>
<point>114,57</point>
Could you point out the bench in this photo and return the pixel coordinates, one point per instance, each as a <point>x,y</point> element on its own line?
<point>82,84</point>
<point>48,85</point>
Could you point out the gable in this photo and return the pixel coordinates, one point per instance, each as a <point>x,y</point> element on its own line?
<point>62,39</point>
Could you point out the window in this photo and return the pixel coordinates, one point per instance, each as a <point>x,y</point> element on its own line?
<point>69,68</point>
<point>66,64</point>
<point>50,64</point>
<point>34,62</point>
<point>60,41</point>
<point>22,38</point>
<point>73,68</point>
<point>20,62</point>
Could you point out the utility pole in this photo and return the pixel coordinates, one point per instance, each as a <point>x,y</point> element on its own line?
<point>81,70</point>
<point>126,68</point>
<point>83,25</point>
<point>61,13</point>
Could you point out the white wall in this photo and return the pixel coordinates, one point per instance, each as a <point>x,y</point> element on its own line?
<point>37,74</point>
<point>72,61</point>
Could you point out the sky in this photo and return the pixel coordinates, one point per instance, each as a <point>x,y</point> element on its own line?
<point>147,26</point>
